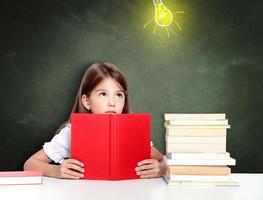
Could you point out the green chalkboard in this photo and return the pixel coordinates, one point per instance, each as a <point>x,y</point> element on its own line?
<point>214,65</point>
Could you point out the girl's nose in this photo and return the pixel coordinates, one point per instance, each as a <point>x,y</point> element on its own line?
<point>111,102</point>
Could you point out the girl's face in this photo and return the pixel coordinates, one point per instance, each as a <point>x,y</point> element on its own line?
<point>107,97</point>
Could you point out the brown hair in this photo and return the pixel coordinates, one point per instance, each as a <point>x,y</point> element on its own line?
<point>94,74</point>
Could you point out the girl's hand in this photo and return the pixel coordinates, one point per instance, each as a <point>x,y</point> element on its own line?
<point>70,169</point>
<point>150,168</point>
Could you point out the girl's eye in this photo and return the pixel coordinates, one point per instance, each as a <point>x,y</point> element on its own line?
<point>120,95</point>
<point>102,94</point>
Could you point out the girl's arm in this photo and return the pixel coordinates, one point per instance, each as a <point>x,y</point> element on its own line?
<point>70,168</point>
<point>155,154</point>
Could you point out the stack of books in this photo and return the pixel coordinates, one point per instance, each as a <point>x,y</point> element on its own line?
<point>196,150</point>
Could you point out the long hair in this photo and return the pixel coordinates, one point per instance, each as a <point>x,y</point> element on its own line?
<point>94,74</point>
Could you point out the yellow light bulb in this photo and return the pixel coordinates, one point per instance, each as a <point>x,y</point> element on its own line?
<point>163,16</point>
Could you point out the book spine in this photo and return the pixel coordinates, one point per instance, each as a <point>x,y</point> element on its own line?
<point>117,139</point>
<point>21,177</point>
<point>193,156</point>
<point>196,140</point>
<point>226,178</point>
<point>198,170</point>
<point>218,162</point>
<point>113,146</point>
<point>196,126</point>
<point>184,116</point>
<point>20,173</point>
<point>198,122</point>
<point>195,148</point>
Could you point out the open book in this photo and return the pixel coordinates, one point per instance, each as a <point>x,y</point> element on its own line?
<point>110,145</point>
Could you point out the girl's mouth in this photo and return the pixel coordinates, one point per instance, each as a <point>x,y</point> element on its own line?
<point>110,112</point>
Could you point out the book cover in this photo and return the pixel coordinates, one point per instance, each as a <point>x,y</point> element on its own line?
<point>198,170</point>
<point>110,145</point>
<point>21,177</point>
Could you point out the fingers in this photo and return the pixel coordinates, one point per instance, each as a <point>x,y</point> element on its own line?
<point>70,174</point>
<point>77,166</point>
<point>74,161</point>
<point>147,164</point>
<point>147,161</point>
<point>148,169</point>
<point>71,169</point>
<point>153,171</point>
<point>149,176</point>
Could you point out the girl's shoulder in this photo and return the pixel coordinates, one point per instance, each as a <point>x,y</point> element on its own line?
<point>65,130</point>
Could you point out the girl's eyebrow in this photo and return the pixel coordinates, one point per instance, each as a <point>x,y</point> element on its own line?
<point>98,90</point>
<point>120,91</point>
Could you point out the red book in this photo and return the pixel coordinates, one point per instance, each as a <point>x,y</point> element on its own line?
<point>110,145</point>
<point>20,177</point>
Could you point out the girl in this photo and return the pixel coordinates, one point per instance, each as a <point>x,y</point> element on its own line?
<point>103,89</point>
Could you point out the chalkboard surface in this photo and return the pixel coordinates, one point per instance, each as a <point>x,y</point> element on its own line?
<point>214,65</point>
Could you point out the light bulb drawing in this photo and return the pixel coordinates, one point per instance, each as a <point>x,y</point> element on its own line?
<point>163,17</point>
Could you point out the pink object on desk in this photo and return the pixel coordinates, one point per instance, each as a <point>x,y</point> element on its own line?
<point>21,177</point>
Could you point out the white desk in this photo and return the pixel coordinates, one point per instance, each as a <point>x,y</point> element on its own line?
<point>251,188</point>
